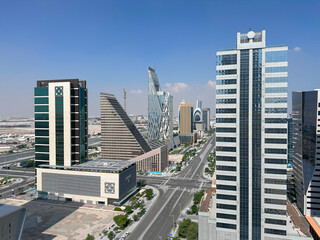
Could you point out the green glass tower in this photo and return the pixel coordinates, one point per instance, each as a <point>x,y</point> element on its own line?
<point>61,122</point>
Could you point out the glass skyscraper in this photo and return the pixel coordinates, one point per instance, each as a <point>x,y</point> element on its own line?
<point>306,154</point>
<point>160,111</point>
<point>251,139</point>
<point>61,122</point>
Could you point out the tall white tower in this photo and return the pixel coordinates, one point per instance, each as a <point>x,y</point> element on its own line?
<point>251,139</point>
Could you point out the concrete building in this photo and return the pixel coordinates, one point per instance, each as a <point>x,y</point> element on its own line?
<point>207,216</point>
<point>306,154</point>
<point>12,220</point>
<point>251,139</point>
<point>186,133</point>
<point>95,182</point>
<point>61,122</point>
<point>160,111</point>
<point>120,139</point>
<point>155,160</point>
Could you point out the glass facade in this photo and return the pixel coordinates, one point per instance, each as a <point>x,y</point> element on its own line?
<point>226,59</point>
<point>276,56</point>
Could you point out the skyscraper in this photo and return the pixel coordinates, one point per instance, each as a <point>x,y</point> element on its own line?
<point>251,139</point>
<point>206,118</point>
<point>306,155</point>
<point>186,123</point>
<point>160,111</point>
<point>120,139</point>
<point>61,122</point>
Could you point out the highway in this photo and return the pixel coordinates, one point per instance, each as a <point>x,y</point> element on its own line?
<point>28,154</point>
<point>175,193</point>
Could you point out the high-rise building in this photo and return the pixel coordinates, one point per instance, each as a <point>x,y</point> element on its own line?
<point>186,123</point>
<point>251,139</point>
<point>120,139</point>
<point>306,154</point>
<point>199,104</point>
<point>160,111</point>
<point>206,118</point>
<point>290,150</point>
<point>61,122</point>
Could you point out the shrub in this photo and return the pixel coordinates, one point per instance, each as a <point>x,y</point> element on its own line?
<point>149,193</point>
<point>111,235</point>
<point>117,209</point>
<point>122,221</point>
<point>89,237</point>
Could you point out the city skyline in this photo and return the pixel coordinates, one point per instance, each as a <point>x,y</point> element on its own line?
<point>112,52</point>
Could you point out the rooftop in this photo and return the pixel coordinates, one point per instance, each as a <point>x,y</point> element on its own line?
<point>111,166</point>
<point>207,199</point>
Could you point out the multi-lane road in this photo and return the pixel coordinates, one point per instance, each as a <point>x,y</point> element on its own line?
<point>28,154</point>
<point>175,193</point>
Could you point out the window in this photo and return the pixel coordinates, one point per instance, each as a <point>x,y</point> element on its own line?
<point>225,139</point>
<point>275,161</point>
<point>275,181</point>
<point>275,151</point>
<point>276,56</point>
<point>276,90</point>
<point>275,191</point>
<point>227,59</point>
<point>275,130</point>
<point>226,72</point>
<point>276,110</point>
<point>225,110</point>
<point>41,124</point>
<point>226,81</point>
<point>41,156</point>
<point>41,91</point>
<point>226,216</point>
<point>275,171</point>
<point>41,100</point>
<point>225,120</point>
<point>41,148</point>
<point>275,211</point>
<point>276,100</point>
<point>226,178</point>
<point>226,101</point>
<point>276,140</point>
<point>42,133</point>
<point>227,130</point>
<point>41,140</point>
<point>43,116</point>
<point>227,197</point>
<point>226,168</point>
<point>226,206</point>
<point>276,221</point>
<point>226,225</point>
<point>276,79</point>
<point>276,69</point>
<point>226,187</point>
<point>275,201</point>
<point>275,231</point>
<point>226,149</point>
<point>276,120</point>
<point>41,108</point>
<point>226,158</point>
<point>226,91</point>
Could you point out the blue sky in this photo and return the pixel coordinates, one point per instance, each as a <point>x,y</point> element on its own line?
<point>111,43</point>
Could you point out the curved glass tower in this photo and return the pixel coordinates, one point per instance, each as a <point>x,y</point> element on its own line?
<point>160,111</point>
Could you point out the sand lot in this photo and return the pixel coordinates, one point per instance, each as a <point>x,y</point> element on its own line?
<point>51,221</point>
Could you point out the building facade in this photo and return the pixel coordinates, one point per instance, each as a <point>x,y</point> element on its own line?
<point>186,132</point>
<point>61,122</point>
<point>12,220</point>
<point>306,153</point>
<point>251,139</point>
<point>120,139</point>
<point>206,118</point>
<point>160,111</point>
<point>95,182</point>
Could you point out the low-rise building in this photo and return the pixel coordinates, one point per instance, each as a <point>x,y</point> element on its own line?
<point>11,221</point>
<point>97,182</point>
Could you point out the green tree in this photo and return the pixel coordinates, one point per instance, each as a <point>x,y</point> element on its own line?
<point>192,233</point>
<point>183,227</point>
<point>194,209</point>
<point>122,221</point>
<point>135,217</point>
<point>149,193</point>
<point>89,237</point>
<point>111,235</point>
<point>128,209</point>
<point>197,197</point>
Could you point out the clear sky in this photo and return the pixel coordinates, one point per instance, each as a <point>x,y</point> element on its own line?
<point>111,43</point>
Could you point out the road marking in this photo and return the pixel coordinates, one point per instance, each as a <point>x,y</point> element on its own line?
<point>155,217</point>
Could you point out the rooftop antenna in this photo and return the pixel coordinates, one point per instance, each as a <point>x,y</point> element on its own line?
<point>125,100</point>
